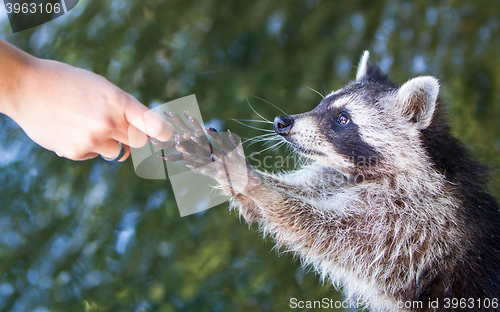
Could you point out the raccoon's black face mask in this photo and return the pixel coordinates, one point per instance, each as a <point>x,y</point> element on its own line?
<point>327,134</point>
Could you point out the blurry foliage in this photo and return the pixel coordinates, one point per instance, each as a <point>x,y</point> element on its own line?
<point>92,236</point>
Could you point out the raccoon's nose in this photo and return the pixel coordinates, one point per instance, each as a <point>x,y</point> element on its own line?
<point>283,124</point>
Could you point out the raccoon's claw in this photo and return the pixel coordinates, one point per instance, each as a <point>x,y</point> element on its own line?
<point>232,138</point>
<point>196,125</point>
<point>197,161</point>
<point>237,146</point>
<point>172,157</point>
<point>161,144</point>
<point>176,119</point>
<point>214,134</point>
<point>197,140</point>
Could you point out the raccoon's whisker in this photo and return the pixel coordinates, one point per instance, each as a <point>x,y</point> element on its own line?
<point>266,141</point>
<point>301,158</point>
<point>304,158</point>
<point>302,161</point>
<point>270,104</point>
<point>268,148</point>
<point>296,160</point>
<point>278,146</point>
<point>296,156</point>
<point>254,120</point>
<point>250,140</point>
<point>324,88</point>
<point>256,111</point>
<point>290,154</point>
<point>316,92</point>
<point>261,136</point>
<point>244,124</point>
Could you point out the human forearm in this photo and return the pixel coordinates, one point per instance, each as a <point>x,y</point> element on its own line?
<point>14,66</point>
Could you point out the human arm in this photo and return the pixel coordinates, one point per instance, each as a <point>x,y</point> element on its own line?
<point>71,111</point>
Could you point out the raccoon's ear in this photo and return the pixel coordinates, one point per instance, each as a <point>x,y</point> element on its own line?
<point>363,66</point>
<point>417,100</point>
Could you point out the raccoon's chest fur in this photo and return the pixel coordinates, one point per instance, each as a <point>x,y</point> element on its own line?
<point>410,237</point>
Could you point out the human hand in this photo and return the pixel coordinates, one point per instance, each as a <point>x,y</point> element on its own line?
<point>80,115</point>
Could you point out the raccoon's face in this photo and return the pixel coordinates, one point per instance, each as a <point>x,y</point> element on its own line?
<point>368,126</point>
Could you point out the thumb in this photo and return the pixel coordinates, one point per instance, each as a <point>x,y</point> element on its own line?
<point>147,121</point>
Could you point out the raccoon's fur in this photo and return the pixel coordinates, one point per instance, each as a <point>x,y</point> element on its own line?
<point>392,208</point>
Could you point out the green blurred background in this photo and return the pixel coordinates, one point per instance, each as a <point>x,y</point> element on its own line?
<point>92,236</point>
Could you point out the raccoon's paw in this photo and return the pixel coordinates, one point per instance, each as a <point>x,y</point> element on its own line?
<point>227,165</point>
<point>183,139</point>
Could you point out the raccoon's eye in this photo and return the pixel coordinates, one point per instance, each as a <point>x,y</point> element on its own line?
<point>342,119</point>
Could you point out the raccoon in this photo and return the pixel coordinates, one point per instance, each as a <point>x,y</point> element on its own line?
<point>391,206</point>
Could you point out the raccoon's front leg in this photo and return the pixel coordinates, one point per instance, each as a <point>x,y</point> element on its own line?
<point>227,166</point>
